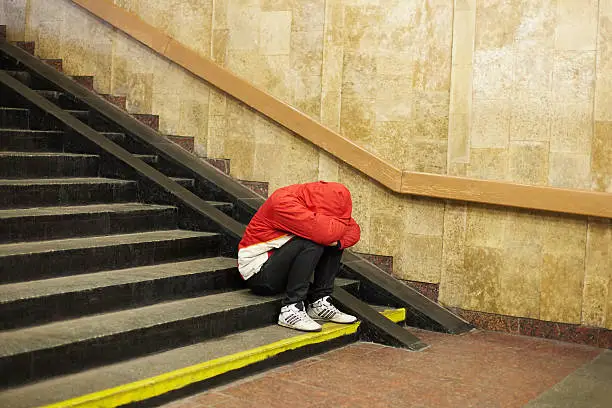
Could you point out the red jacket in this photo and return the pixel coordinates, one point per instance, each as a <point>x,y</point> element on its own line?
<point>320,212</point>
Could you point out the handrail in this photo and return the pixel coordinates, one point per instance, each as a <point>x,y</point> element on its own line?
<point>572,201</point>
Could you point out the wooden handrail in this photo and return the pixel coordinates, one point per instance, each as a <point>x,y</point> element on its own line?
<point>571,201</point>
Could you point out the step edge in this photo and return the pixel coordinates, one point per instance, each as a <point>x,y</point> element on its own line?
<point>154,386</point>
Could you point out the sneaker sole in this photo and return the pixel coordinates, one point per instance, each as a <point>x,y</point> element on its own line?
<point>295,328</point>
<point>316,319</point>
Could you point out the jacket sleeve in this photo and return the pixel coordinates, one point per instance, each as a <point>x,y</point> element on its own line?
<point>351,235</point>
<point>287,215</point>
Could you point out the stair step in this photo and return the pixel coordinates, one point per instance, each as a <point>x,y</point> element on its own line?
<point>47,164</point>
<point>24,193</point>
<point>31,140</point>
<point>14,118</point>
<point>149,376</point>
<point>67,346</point>
<point>25,261</point>
<point>45,223</point>
<point>35,302</point>
<point>148,158</point>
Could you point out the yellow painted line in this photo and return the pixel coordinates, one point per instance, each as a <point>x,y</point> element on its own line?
<point>161,384</point>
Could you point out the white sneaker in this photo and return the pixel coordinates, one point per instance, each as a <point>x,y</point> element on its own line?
<point>294,317</point>
<point>322,309</point>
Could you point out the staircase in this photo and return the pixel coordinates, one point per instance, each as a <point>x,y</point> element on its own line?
<point>118,281</point>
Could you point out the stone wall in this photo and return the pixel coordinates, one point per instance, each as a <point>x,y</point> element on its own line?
<point>516,90</point>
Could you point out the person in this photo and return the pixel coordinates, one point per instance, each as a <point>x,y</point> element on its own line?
<point>298,235</point>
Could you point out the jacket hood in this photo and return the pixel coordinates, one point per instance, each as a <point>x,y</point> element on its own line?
<point>331,199</point>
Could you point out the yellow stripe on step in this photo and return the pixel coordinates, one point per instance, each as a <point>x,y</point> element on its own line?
<point>174,380</point>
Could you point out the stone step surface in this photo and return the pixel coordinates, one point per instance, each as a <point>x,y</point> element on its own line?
<point>47,164</point>
<point>35,302</point>
<point>45,223</point>
<point>24,193</point>
<point>60,347</point>
<point>25,261</point>
<point>31,140</point>
<point>70,386</point>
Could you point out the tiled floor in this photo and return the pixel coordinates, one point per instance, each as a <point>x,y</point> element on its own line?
<point>480,369</point>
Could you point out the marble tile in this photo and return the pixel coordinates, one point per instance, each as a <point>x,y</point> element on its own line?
<point>276,5</point>
<point>497,24</point>
<point>464,30</point>
<point>569,170</point>
<point>486,226</point>
<point>307,95</point>
<point>243,24</point>
<point>308,15</point>
<point>328,167</point>
<point>357,119</point>
<point>490,124</point>
<point>306,55</point>
<point>573,76</point>
<point>572,128</point>
<point>598,273</point>
<point>274,33</point>
<point>458,138</point>
<point>483,267</point>
<point>530,118</point>
<point>601,165</point>
<point>493,73</point>
<point>363,25</point>
<point>561,288</point>
<point>418,258</point>
<point>576,25</point>
<point>533,72</point>
<point>461,90</point>
<point>452,287</point>
<point>488,164</point>
<point>528,163</point>
<point>425,216</point>
<point>520,282</point>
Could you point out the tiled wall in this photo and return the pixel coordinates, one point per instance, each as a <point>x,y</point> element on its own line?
<point>516,90</point>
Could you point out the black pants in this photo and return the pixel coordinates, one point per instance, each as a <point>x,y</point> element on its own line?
<point>291,267</point>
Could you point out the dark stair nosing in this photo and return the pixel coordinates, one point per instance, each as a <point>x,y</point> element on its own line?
<point>59,347</point>
<point>36,302</point>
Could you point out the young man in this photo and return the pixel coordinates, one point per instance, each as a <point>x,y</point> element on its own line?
<point>299,230</point>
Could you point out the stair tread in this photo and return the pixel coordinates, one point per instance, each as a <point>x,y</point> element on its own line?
<point>64,180</point>
<point>48,287</point>
<point>15,342</point>
<point>80,209</point>
<point>26,248</point>
<point>141,368</point>
<point>46,154</point>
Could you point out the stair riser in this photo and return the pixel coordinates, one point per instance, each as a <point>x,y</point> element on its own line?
<point>48,166</point>
<point>71,305</point>
<point>77,356</point>
<point>82,225</point>
<point>21,268</point>
<point>14,119</point>
<point>43,121</point>
<point>64,101</point>
<point>31,80</point>
<point>19,141</point>
<point>65,194</point>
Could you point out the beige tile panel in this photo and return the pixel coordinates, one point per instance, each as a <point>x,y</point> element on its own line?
<point>572,127</point>
<point>562,288</point>
<point>601,162</point>
<point>528,163</point>
<point>576,25</point>
<point>13,15</point>
<point>486,227</point>
<point>274,33</point>
<point>452,286</point>
<point>530,118</point>
<point>598,274</point>
<point>490,123</point>
<point>497,24</point>
<point>362,27</point>
<point>458,138</point>
<point>276,5</point>
<point>519,282</point>
<point>306,52</point>
<point>419,258</point>
<point>569,170</point>
<point>308,15</point>
<point>573,76</point>
<point>488,164</point>
<point>493,73</point>
<point>464,27</point>
<point>483,267</point>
